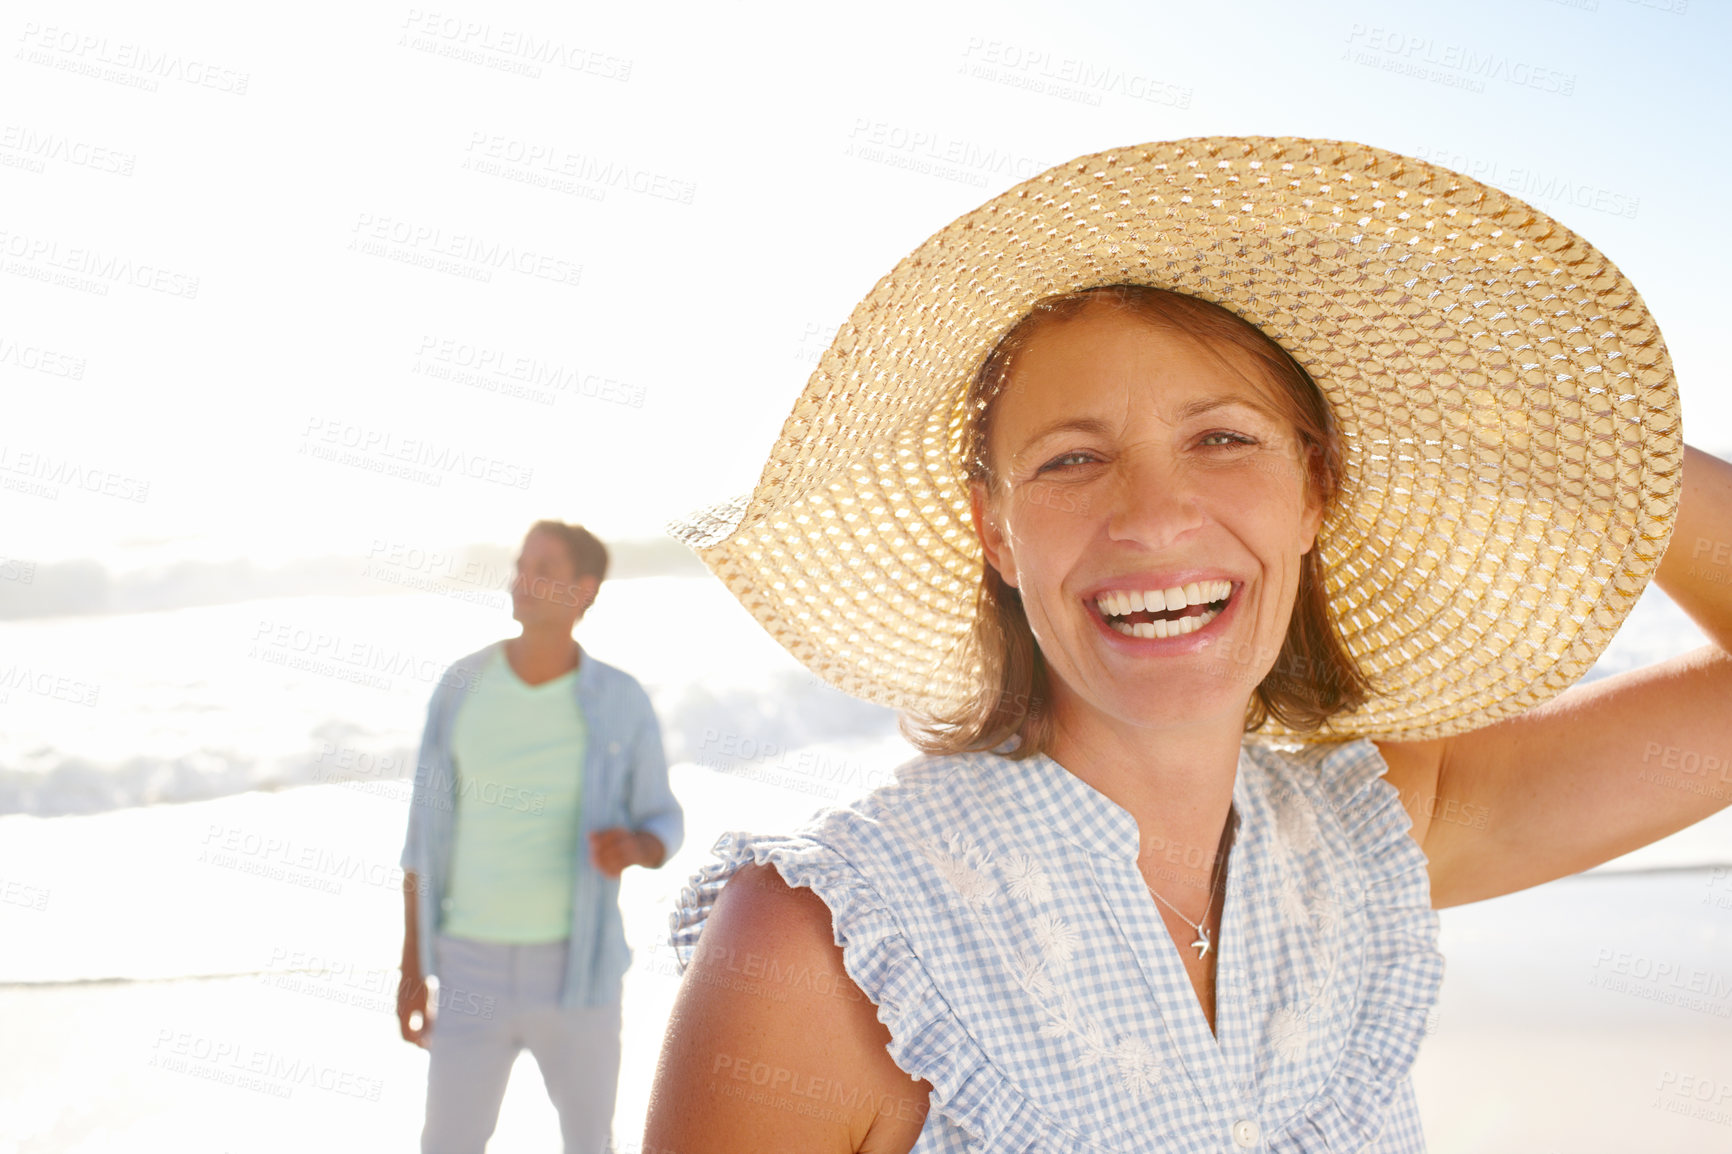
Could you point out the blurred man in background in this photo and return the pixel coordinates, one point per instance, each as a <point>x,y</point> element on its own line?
<point>541,778</point>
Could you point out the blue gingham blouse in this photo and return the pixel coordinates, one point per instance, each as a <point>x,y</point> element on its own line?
<point>993,911</point>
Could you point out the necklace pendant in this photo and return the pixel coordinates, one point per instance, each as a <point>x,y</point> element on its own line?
<point>1202,942</point>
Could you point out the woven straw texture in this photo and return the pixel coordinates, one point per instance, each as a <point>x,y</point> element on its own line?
<point>1511,423</point>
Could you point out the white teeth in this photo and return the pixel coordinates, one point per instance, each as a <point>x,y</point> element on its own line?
<point>1162,628</point>
<point>1145,628</point>
<point>1119,603</point>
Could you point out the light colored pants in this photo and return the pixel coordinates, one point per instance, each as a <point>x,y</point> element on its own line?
<point>494,1001</point>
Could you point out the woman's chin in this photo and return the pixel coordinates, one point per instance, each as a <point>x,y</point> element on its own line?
<point>1165,703</point>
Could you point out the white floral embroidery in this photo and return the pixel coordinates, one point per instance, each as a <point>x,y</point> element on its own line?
<point>1056,938</point>
<point>1291,902</point>
<point>1326,913</point>
<point>1027,881</point>
<point>1296,824</point>
<point>963,864</point>
<point>1289,1033</point>
<point>1139,1069</point>
<point>1032,975</point>
<point>1130,1059</point>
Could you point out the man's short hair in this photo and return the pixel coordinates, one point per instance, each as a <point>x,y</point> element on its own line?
<point>588,555</point>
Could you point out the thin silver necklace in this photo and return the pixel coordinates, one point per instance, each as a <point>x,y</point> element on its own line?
<point>1202,943</point>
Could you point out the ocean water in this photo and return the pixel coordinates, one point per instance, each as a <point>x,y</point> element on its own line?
<point>107,712</point>
<point>111,711</point>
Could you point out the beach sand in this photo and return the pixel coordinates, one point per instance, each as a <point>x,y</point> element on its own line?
<point>1591,1014</point>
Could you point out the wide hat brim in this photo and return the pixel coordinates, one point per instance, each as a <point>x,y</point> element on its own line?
<point>1513,449</point>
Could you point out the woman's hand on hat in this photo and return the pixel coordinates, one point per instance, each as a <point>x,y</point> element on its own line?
<point>1605,767</point>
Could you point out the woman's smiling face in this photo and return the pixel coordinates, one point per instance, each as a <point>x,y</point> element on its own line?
<point>1150,503</point>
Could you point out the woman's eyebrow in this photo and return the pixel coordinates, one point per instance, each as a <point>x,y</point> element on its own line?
<point>1204,405</point>
<point>1065,425</point>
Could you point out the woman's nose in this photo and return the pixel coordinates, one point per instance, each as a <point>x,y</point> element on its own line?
<point>1153,503</point>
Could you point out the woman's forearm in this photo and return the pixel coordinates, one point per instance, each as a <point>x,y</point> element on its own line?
<point>1697,569</point>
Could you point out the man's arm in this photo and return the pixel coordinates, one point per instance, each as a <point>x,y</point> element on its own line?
<point>654,809</point>
<point>412,1013</point>
<point>657,823</point>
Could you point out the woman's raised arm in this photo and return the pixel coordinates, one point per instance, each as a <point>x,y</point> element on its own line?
<point>771,1047</point>
<point>1604,768</point>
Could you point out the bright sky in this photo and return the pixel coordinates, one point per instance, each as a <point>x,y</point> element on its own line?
<point>710,188</point>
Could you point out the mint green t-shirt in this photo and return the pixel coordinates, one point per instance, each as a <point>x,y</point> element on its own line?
<point>519,750</point>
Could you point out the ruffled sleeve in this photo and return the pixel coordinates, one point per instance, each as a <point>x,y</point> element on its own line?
<point>972,1101</point>
<point>1401,971</point>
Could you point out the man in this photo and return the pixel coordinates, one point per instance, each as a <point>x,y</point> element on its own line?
<point>541,778</point>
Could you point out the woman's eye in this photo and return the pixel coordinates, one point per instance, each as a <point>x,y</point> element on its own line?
<point>1222,437</point>
<point>1077,458</point>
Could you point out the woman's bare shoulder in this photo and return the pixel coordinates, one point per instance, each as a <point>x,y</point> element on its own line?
<point>771,1046</point>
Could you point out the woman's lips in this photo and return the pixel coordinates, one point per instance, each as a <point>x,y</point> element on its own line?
<point>1164,614</point>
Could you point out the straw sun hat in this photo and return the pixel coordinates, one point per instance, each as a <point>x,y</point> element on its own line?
<point>1509,418</point>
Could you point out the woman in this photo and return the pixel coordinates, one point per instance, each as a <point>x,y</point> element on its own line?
<point>1098,918</point>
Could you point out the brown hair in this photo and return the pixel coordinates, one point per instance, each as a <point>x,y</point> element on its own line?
<point>1314,676</point>
<point>588,555</point>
